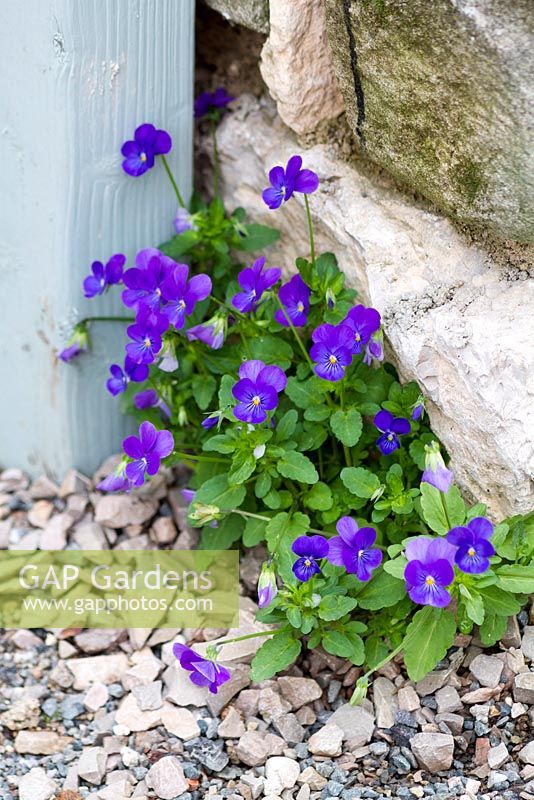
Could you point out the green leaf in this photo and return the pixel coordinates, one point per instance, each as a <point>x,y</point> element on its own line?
<point>498,601</point>
<point>298,467</point>
<point>375,651</point>
<point>275,655</point>
<point>428,637</point>
<point>516,578</point>
<point>360,481</point>
<point>492,629</point>
<point>474,605</point>
<point>220,443</point>
<point>381,591</point>
<point>317,413</point>
<point>442,511</point>
<point>263,484</point>
<point>396,567</point>
<point>222,537</point>
<point>226,397</point>
<point>319,498</point>
<point>286,427</point>
<point>217,492</point>
<point>243,465</point>
<point>256,238</point>
<point>180,244</point>
<point>304,393</point>
<point>254,532</point>
<point>335,606</point>
<point>347,426</point>
<point>204,387</point>
<point>344,645</point>
<point>271,350</point>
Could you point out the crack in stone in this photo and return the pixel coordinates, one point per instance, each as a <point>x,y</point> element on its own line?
<point>358,88</point>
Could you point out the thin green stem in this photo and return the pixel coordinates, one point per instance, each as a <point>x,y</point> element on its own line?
<point>384,661</point>
<point>310,230</point>
<point>449,524</point>
<point>295,334</point>
<point>192,457</point>
<point>268,519</point>
<point>87,320</point>
<point>173,182</point>
<point>249,636</point>
<point>346,451</point>
<point>216,160</point>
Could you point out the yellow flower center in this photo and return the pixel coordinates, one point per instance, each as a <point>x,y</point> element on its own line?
<point>333,360</point>
<point>471,552</point>
<point>148,343</point>
<point>360,553</point>
<point>256,401</point>
<point>181,304</point>
<point>357,337</point>
<point>143,157</point>
<point>430,581</point>
<point>307,562</point>
<point>300,307</point>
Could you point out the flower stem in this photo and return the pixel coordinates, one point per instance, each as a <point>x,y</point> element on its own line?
<point>216,160</point>
<point>310,230</point>
<point>173,182</point>
<point>192,457</point>
<point>449,524</point>
<point>346,450</point>
<point>384,661</point>
<point>248,636</point>
<point>295,334</point>
<point>268,519</point>
<point>87,320</point>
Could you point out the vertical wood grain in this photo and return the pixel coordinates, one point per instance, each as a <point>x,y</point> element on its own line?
<point>76,78</point>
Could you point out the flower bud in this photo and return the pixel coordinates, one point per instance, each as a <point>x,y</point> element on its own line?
<point>436,473</point>
<point>360,692</point>
<point>267,588</point>
<point>418,408</point>
<point>204,514</point>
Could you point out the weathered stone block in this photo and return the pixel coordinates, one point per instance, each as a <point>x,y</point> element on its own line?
<point>441,94</point>
<point>253,14</point>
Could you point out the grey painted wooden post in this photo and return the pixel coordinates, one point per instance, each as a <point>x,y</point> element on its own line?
<point>76,78</point>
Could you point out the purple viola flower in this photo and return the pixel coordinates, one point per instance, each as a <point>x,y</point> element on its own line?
<point>188,495</point>
<point>140,152</point>
<point>436,473</point>
<point>418,408</point>
<point>254,281</point>
<point>210,422</point>
<point>429,571</point>
<point>257,391</point>
<point>392,428</point>
<point>104,276</point>
<point>295,297</point>
<point>204,672</point>
<point>284,182</point>
<point>473,546</point>
<point>181,295</point>
<point>144,282</point>
<point>363,322</point>
<point>374,349</point>
<point>183,221</point>
<point>121,377</point>
<point>116,481</point>
<point>212,332</point>
<point>267,588</point>
<point>147,450</point>
<point>146,335</point>
<point>209,102</point>
<point>71,352</point>
<point>310,549</point>
<point>353,549</point>
<point>150,399</point>
<point>332,351</point>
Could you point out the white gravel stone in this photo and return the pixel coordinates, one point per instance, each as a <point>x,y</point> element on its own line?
<point>254,747</point>
<point>281,773</point>
<point>526,754</point>
<point>326,741</point>
<point>97,669</point>
<point>148,696</point>
<point>299,691</point>
<point>385,702</point>
<point>408,699</point>
<point>44,743</point>
<point>129,757</point>
<point>36,785</point>
<point>433,751</point>
<point>96,697</point>
<point>487,670</point>
<point>166,777</point>
<point>356,722</point>
<point>448,700</point>
<point>180,722</point>
<point>524,688</point>
<point>527,643</point>
<point>232,726</point>
<point>92,765</point>
<point>497,756</point>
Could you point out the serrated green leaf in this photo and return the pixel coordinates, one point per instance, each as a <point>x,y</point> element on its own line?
<point>256,237</point>
<point>226,397</point>
<point>228,531</point>
<point>319,498</point>
<point>347,426</point>
<point>317,413</point>
<point>381,591</point>
<point>275,655</point>
<point>396,567</point>
<point>499,601</point>
<point>243,465</point>
<point>286,427</point>
<point>271,350</point>
<point>474,605</point>
<point>340,644</point>
<point>335,606</point>
<point>297,467</point>
<point>220,443</point>
<point>263,484</point>
<point>280,534</point>
<point>442,511</point>
<point>204,387</point>
<point>254,532</point>
<point>516,578</point>
<point>360,482</point>
<point>492,629</point>
<point>428,637</point>
<point>304,393</point>
<point>217,492</point>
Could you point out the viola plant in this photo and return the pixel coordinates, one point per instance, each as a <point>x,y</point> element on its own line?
<point>298,435</point>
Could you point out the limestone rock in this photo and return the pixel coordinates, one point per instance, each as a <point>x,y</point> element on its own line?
<point>433,751</point>
<point>253,14</point>
<point>385,702</point>
<point>120,510</point>
<point>232,726</point>
<point>299,691</point>
<point>281,773</point>
<point>448,700</point>
<point>527,642</point>
<point>92,765</point>
<point>326,741</point>
<point>96,640</point>
<point>97,669</point>
<point>441,95</point>
<point>36,785</point>
<point>166,778</point>
<point>179,722</point>
<point>130,714</point>
<point>41,743</point>
<point>254,747</point>
<point>487,670</point>
<point>356,722</point>
<point>526,754</point>
<point>497,756</point>
<point>524,688</point>
<point>96,697</point>
<point>438,295</point>
<point>148,695</point>
<point>296,64</point>
<point>23,713</point>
